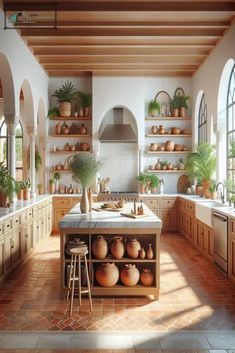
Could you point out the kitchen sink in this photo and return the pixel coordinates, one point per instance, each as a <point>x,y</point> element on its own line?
<point>204,210</point>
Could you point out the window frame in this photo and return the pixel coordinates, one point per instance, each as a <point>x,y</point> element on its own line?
<point>202,121</point>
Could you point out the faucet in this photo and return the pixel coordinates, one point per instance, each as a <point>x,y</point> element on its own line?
<point>222,193</point>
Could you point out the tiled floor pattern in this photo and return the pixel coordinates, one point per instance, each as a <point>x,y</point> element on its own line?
<point>194,296</point>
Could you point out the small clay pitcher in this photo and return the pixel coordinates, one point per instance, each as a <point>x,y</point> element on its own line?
<point>158,165</point>
<point>130,275</point>
<point>100,247</point>
<point>83,130</point>
<point>133,247</point>
<point>142,253</point>
<point>147,277</point>
<point>150,252</point>
<point>161,130</point>
<point>117,247</point>
<point>154,130</point>
<point>153,147</point>
<point>58,129</point>
<point>107,274</point>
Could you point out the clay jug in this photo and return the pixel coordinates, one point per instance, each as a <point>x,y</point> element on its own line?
<point>100,247</point>
<point>169,146</point>
<point>153,147</point>
<point>107,274</point>
<point>158,165</point>
<point>150,252</point>
<point>154,130</point>
<point>83,130</point>
<point>133,248</point>
<point>58,129</point>
<point>64,128</point>
<point>161,130</point>
<point>130,275</point>
<point>142,253</point>
<point>146,277</point>
<point>117,248</point>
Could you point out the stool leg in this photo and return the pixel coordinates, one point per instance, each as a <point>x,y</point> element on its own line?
<point>73,285</point>
<point>88,284</point>
<point>70,277</point>
<point>79,281</point>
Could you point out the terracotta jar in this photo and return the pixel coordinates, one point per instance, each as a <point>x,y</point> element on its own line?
<point>150,252</point>
<point>154,130</point>
<point>161,130</point>
<point>117,247</point>
<point>133,247</point>
<point>84,146</point>
<point>130,275</point>
<point>142,253</point>
<point>153,147</point>
<point>100,247</point>
<point>169,146</point>
<point>142,188</point>
<point>146,277</point>
<point>83,130</point>
<point>107,274</point>
<point>58,129</point>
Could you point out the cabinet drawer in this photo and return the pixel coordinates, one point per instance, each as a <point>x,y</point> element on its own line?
<point>23,217</point>
<point>232,227</point>
<point>61,202</point>
<point>168,203</point>
<point>152,203</point>
<point>16,221</point>
<point>74,201</point>
<point>8,225</point>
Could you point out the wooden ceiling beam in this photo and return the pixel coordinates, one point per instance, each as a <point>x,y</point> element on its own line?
<point>114,67</point>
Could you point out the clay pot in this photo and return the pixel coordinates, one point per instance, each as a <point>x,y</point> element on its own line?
<point>26,194</point>
<point>130,275</point>
<point>205,186</point>
<point>107,274</point>
<point>146,277</point>
<point>142,253</point>
<point>213,195</point>
<point>83,130</point>
<point>158,165</point>
<point>58,129</point>
<point>100,247</point>
<point>182,112</point>
<point>142,188</point>
<point>84,146</point>
<point>169,146</point>
<point>175,130</point>
<point>80,112</point>
<point>150,252</point>
<point>4,200</point>
<point>65,109</point>
<point>153,190</point>
<point>161,148</point>
<point>133,247</point>
<point>20,195</point>
<point>52,188</point>
<point>86,111</point>
<point>64,129</point>
<point>178,147</point>
<point>175,112</point>
<point>153,147</point>
<point>154,130</point>
<point>117,248</point>
<point>161,130</point>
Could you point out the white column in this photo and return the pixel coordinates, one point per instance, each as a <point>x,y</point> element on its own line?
<point>32,131</point>
<point>11,148</point>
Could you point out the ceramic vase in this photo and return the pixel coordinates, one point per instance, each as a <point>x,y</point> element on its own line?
<point>26,194</point>
<point>133,248</point>
<point>182,112</point>
<point>130,275</point>
<point>169,146</point>
<point>100,247</point>
<point>65,109</point>
<point>117,248</point>
<point>84,204</point>
<point>20,195</point>
<point>142,188</point>
<point>150,252</point>
<point>107,274</point>
<point>142,253</point>
<point>146,277</point>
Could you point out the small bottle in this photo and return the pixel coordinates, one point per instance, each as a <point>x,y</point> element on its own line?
<point>150,252</point>
<point>142,253</point>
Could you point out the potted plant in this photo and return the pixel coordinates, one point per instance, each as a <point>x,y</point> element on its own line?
<point>183,105</point>
<point>199,187</point>
<point>85,103</point>
<point>52,186</point>
<point>175,105</point>
<point>65,94</point>
<point>26,183</point>
<point>84,167</point>
<point>40,189</point>
<point>56,177</point>
<point>154,107</point>
<point>164,165</point>
<point>53,112</point>
<point>212,189</point>
<point>142,182</point>
<point>202,164</point>
<point>154,182</point>
<point>7,186</point>
<point>19,190</point>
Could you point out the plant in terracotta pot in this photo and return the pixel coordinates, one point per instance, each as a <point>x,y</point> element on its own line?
<point>183,106</point>
<point>65,95</point>
<point>141,178</point>
<point>154,182</point>
<point>84,167</point>
<point>52,186</point>
<point>85,103</point>
<point>7,186</point>
<point>40,189</point>
<point>19,190</point>
<point>175,105</point>
<point>154,108</point>
<point>164,165</point>
<point>202,163</point>
<point>26,188</point>
<point>212,189</point>
<point>56,177</point>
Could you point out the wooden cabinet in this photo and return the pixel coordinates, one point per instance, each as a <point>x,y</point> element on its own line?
<point>61,206</point>
<point>204,239</point>
<point>168,219</point>
<point>231,250</point>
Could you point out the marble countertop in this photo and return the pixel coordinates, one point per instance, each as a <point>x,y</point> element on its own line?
<point>21,206</point>
<point>107,219</point>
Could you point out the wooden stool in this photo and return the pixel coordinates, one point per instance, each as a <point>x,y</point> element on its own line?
<point>77,254</point>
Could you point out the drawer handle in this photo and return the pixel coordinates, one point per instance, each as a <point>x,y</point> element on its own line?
<point>8,225</point>
<point>17,221</point>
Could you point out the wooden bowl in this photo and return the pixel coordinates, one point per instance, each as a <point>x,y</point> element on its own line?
<point>175,130</point>
<point>178,147</point>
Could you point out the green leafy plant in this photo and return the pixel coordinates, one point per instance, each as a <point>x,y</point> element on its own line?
<point>141,178</point>
<point>84,167</point>
<point>183,101</point>
<point>175,102</point>
<point>154,107</point>
<point>56,176</point>
<point>154,181</point>
<point>202,162</point>
<point>52,181</point>
<point>66,93</point>
<point>85,99</point>
<point>212,186</point>
<point>26,183</point>
<point>18,186</point>
<point>164,163</point>
<point>53,112</point>
<point>7,183</point>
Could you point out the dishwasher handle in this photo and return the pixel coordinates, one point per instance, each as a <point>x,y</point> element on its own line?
<point>220,217</point>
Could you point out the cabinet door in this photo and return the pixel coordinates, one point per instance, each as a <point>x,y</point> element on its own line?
<point>210,242</point>
<point>49,220</point>
<point>168,219</point>
<point>190,228</point>
<point>58,215</point>
<point>231,260</point>
<point>36,231</point>
<point>1,258</point>
<point>183,223</point>
<point>205,241</point>
<point>199,235</point>
<point>15,246</point>
<point>7,264</point>
<point>29,238</point>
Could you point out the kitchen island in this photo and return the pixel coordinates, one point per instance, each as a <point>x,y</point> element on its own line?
<point>87,227</point>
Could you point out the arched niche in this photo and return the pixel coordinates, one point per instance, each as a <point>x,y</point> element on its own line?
<point>26,104</point>
<point>7,88</point>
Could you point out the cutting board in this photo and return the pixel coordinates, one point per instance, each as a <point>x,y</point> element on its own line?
<point>182,184</point>
<point>133,216</point>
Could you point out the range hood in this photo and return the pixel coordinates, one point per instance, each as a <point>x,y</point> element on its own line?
<point>118,131</point>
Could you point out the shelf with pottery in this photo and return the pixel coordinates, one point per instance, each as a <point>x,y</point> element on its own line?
<point>70,135</point>
<point>166,171</point>
<point>71,118</point>
<point>167,152</point>
<point>169,118</point>
<point>168,135</point>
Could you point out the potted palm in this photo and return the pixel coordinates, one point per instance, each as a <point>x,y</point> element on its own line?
<point>26,184</point>
<point>175,105</point>
<point>183,105</point>
<point>85,103</point>
<point>154,107</point>
<point>7,186</point>
<point>154,182</point>
<point>212,190</point>
<point>19,190</point>
<point>141,178</point>
<point>202,163</point>
<point>84,167</point>
<point>65,94</point>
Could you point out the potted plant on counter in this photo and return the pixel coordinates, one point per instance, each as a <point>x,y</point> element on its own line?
<point>40,189</point>
<point>26,188</point>
<point>175,105</point>
<point>84,167</point>
<point>7,186</point>
<point>141,178</point>
<point>154,108</point>
<point>85,103</point>
<point>212,189</point>
<point>52,186</point>
<point>154,183</point>
<point>19,190</point>
<point>65,94</point>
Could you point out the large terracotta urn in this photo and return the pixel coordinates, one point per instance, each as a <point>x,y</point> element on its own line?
<point>133,248</point>
<point>169,146</point>
<point>117,247</point>
<point>130,275</point>
<point>146,277</point>
<point>107,274</point>
<point>100,247</point>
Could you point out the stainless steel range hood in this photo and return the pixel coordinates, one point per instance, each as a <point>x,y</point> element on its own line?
<point>118,131</point>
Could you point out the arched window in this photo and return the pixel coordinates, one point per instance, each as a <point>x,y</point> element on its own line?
<point>230,127</point>
<point>202,121</point>
<point>18,147</point>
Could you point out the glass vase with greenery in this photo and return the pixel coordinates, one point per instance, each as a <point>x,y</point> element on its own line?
<point>154,183</point>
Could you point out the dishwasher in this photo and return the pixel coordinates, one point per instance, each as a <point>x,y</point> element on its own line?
<point>220,255</point>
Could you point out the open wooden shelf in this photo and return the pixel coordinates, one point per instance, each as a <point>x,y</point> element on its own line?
<point>70,135</point>
<point>166,171</point>
<point>68,152</point>
<point>168,135</point>
<point>71,118</point>
<point>61,171</point>
<point>170,118</point>
<point>166,152</point>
